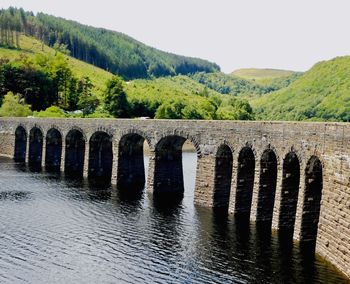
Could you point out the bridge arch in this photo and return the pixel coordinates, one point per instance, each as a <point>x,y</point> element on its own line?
<point>131,168</point>
<point>20,144</point>
<point>223,177</point>
<point>245,181</point>
<point>79,129</point>
<point>75,152</point>
<point>53,150</point>
<point>267,186</point>
<point>35,147</point>
<point>290,191</point>
<point>168,168</point>
<point>100,156</point>
<point>312,200</point>
<point>102,129</point>
<point>180,133</point>
<point>147,138</point>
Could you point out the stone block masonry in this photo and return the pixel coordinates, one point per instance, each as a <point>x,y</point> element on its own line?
<point>289,175</point>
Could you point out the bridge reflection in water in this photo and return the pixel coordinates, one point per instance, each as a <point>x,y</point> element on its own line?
<point>71,225</point>
<point>77,156</point>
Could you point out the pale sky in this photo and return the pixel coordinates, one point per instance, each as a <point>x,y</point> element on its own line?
<point>284,34</point>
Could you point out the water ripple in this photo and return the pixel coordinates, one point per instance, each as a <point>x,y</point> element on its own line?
<point>57,230</point>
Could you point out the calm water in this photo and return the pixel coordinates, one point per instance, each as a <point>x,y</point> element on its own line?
<point>54,230</point>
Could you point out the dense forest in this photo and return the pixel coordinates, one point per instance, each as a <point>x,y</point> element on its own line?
<point>236,86</point>
<point>45,81</point>
<point>182,97</point>
<point>46,86</point>
<point>109,50</point>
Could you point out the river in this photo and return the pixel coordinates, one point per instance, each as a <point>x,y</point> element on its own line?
<point>58,230</point>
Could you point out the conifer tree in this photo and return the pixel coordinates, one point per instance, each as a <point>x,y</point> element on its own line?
<point>115,98</point>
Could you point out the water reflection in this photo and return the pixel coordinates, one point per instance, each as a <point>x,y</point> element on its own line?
<point>21,167</point>
<point>78,231</point>
<point>14,195</point>
<point>130,196</point>
<point>35,167</point>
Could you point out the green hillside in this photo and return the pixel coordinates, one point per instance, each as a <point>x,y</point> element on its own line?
<point>245,88</point>
<point>227,84</point>
<point>110,50</point>
<point>183,98</point>
<point>31,47</point>
<point>261,74</point>
<point>147,95</point>
<point>22,71</point>
<point>271,79</point>
<point>169,87</point>
<point>322,93</point>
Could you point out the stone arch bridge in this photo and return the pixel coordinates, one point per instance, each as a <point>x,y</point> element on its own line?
<point>292,176</point>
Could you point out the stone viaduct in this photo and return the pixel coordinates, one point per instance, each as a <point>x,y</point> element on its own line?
<point>292,176</point>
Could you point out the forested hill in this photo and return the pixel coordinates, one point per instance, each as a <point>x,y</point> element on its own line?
<point>322,93</point>
<point>237,86</point>
<point>42,81</point>
<point>109,50</point>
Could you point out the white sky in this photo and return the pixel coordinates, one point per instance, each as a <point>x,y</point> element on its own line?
<point>285,34</point>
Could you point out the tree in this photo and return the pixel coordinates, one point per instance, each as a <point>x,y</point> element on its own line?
<point>57,68</point>
<point>171,110</point>
<point>34,84</point>
<point>235,109</point>
<point>99,113</point>
<point>200,109</point>
<point>115,98</point>
<point>87,101</point>
<point>52,111</point>
<point>61,48</point>
<point>73,94</point>
<point>62,75</point>
<point>14,107</point>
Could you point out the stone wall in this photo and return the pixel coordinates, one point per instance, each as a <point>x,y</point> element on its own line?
<point>328,142</point>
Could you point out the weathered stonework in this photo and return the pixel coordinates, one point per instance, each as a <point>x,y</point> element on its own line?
<point>321,150</point>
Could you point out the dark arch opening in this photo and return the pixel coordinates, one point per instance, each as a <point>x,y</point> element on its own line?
<point>131,168</point>
<point>53,150</point>
<point>20,144</point>
<point>223,177</point>
<point>168,171</point>
<point>75,152</point>
<point>289,194</point>
<point>100,156</point>
<point>35,148</point>
<point>312,201</point>
<point>267,187</point>
<point>245,182</point>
